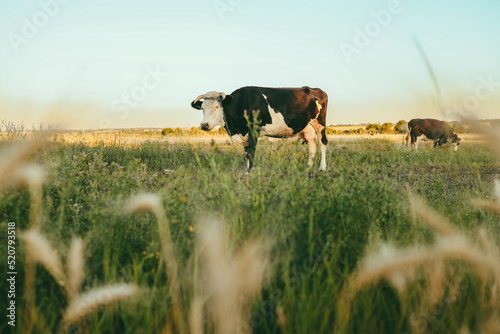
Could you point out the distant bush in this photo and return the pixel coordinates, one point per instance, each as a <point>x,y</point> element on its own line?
<point>166,131</point>
<point>359,130</point>
<point>195,131</point>
<point>330,131</point>
<point>177,131</point>
<point>387,128</point>
<point>374,128</point>
<point>401,126</point>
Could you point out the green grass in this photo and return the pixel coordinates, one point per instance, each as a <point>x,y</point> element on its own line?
<point>320,224</point>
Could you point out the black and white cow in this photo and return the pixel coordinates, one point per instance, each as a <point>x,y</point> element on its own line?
<point>433,129</point>
<point>282,112</point>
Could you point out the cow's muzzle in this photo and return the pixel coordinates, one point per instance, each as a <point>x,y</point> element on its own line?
<point>204,126</point>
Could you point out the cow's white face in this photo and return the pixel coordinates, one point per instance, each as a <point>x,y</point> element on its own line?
<point>212,105</point>
<point>456,141</point>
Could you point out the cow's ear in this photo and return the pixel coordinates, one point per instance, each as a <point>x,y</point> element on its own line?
<point>196,105</point>
<point>227,100</point>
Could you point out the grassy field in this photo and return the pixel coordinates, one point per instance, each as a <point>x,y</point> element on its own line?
<point>387,240</point>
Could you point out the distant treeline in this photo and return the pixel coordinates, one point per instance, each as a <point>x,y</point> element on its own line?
<point>194,131</point>
<point>400,127</point>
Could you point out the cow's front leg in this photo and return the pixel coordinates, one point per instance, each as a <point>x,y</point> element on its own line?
<point>249,155</point>
<point>323,141</point>
<point>250,149</point>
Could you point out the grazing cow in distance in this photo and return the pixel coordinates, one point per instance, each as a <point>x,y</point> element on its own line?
<point>433,129</point>
<point>276,112</point>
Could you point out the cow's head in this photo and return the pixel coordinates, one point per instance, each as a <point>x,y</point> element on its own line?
<point>455,140</point>
<point>212,104</point>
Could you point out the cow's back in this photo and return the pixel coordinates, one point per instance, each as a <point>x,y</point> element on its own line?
<point>297,105</point>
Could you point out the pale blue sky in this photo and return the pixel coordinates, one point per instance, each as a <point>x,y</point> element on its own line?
<point>87,55</point>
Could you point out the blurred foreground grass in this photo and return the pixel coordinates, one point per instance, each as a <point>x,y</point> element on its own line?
<point>318,227</point>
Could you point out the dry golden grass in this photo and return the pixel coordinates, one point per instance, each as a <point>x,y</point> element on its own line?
<point>138,136</point>
<point>399,266</point>
<point>39,249</point>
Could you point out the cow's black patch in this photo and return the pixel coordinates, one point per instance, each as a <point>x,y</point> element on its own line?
<point>196,105</point>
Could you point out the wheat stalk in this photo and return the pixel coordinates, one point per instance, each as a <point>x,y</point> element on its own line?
<point>95,298</point>
<point>460,248</point>
<point>38,249</point>
<point>487,205</point>
<point>75,264</point>
<point>143,202</point>
<point>231,279</point>
<point>435,221</point>
<point>436,282</point>
<point>388,263</point>
<point>32,178</point>
<point>152,202</point>
<point>12,158</point>
<point>196,316</point>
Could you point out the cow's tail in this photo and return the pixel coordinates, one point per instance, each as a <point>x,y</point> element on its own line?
<point>318,108</point>
<point>407,137</point>
<point>318,128</point>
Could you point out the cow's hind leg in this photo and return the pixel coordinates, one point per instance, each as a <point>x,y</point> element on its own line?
<point>323,142</point>
<point>312,151</point>
<point>309,134</point>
